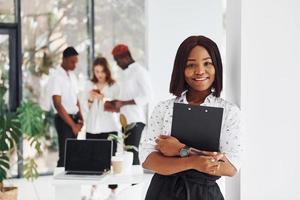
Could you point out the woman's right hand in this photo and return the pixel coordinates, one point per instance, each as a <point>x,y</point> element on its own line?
<point>207,163</point>
<point>168,145</point>
<point>94,95</point>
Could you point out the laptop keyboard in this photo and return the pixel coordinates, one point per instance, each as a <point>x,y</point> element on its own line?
<point>85,173</point>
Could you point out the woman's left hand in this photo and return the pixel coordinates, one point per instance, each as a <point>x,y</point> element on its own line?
<point>168,145</point>
<point>100,97</point>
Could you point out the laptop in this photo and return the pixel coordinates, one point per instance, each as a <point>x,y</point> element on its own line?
<point>86,158</point>
<point>197,126</point>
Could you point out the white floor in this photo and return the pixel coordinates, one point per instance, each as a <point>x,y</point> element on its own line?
<point>42,189</point>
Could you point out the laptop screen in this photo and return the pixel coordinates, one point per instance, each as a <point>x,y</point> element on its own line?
<point>90,155</point>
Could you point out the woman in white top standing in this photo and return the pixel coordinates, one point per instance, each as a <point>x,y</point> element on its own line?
<point>99,123</point>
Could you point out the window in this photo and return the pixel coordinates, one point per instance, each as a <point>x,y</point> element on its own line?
<point>48,27</point>
<point>4,61</point>
<point>8,74</point>
<point>7,11</point>
<point>120,22</point>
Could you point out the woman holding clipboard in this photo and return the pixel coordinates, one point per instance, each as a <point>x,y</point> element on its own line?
<point>182,172</point>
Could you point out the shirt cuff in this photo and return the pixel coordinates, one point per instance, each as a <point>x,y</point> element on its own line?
<point>235,161</point>
<point>58,93</point>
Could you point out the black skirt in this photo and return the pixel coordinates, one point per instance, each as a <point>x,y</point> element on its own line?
<point>187,185</point>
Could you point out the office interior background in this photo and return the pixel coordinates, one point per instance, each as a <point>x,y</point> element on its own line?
<point>259,42</point>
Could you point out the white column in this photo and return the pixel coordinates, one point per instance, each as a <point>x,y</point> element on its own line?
<point>233,77</point>
<point>270,99</point>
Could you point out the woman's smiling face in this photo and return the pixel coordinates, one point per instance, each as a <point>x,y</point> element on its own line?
<point>199,71</point>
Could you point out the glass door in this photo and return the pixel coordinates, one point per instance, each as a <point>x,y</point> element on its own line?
<point>8,66</point>
<point>7,78</point>
<point>7,11</point>
<point>4,63</point>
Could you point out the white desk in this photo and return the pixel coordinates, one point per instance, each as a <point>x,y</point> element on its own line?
<point>71,189</point>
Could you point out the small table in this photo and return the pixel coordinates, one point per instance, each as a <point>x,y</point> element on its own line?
<point>71,188</point>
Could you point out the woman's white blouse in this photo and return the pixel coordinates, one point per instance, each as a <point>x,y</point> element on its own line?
<point>98,120</point>
<point>230,138</point>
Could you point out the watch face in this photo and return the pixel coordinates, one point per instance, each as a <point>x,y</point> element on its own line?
<point>184,152</point>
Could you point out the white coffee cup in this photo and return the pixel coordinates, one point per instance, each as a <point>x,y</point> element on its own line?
<point>117,164</point>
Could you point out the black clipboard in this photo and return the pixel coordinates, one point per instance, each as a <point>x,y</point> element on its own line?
<point>197,126</point>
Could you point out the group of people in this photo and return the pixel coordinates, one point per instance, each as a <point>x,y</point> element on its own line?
<point>105,98</point>
<point>196,79</point>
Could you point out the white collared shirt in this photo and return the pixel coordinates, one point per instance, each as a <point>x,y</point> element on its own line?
<point>230,137</point>
<point>135,84</point>
<point>64,84</point>
<point>98,120</point>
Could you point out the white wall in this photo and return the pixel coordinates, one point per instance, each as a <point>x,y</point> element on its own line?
<point>270,99</point>
<point>169,22</point>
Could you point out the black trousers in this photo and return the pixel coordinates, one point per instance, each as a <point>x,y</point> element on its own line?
<point>64,131</point>
<point>134,139</point>
<point>186,185</point>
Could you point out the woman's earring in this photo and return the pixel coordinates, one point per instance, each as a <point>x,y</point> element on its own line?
<point>212,90</point>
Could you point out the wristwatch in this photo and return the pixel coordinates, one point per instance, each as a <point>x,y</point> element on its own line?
<point>185,151</point>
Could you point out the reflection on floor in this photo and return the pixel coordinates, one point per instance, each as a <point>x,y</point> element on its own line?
<point>41,189</point>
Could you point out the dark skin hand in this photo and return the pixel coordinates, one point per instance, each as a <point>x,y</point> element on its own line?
<point>110,106</point>
<point>167,161</point>
<point>76,127</point>
<point>79,114</point>
<point>166,165</point>
<point>170,146</point>
<point>115,105</point>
